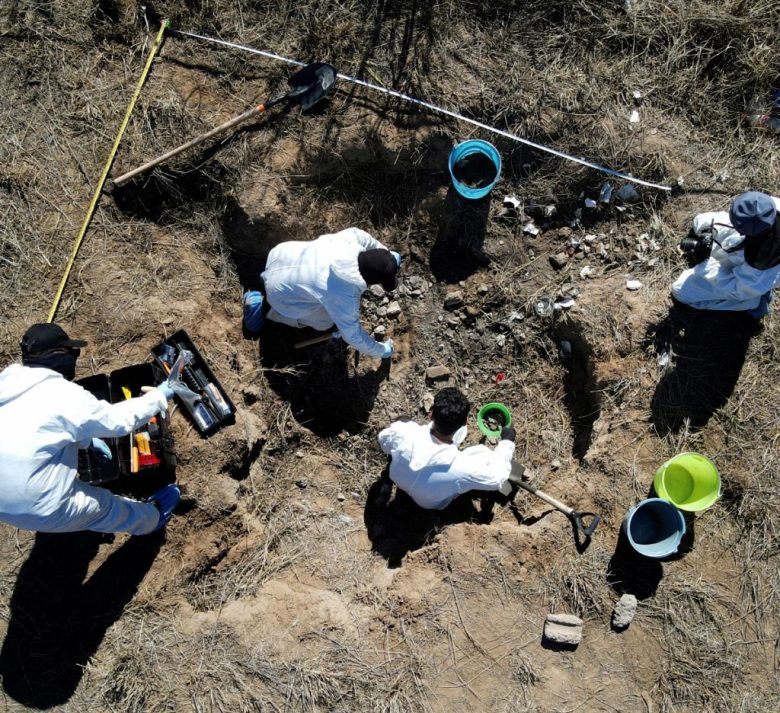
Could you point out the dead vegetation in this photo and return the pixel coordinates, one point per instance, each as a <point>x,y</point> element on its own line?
<point>273,590</point>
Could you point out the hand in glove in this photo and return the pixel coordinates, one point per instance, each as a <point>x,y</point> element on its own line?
<point>166,390</point>
<point>101,450</point>
<point>397,257</point>
<point>508,434</point>
<point>388,352</point>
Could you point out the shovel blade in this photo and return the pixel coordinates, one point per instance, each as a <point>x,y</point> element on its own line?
<point>311,84</point>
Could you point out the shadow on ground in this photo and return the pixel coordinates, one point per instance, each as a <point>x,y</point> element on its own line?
<point>708,349</point>
<point>629,572</point>
<point>583,400</point>
<point>58,620</point>
<point>459,248</point>
<point>396,525</point>
<point>327,395</point>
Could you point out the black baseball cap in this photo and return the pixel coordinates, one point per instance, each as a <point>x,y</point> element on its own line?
<point>45,336</point>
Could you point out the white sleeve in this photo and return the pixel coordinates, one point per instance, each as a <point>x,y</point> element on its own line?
<point>344,310</point>
<point>485,469</point>
<point>390,437</point>
<point>365,240</point>
<point>746,282</point>
<point>87,417</point>
<point>704,221</point>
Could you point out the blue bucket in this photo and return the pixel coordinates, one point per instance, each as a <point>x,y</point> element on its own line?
<point>654,528</point>
<point>470,148</point>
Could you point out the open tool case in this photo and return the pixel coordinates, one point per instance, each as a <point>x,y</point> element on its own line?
<point>213,409</point>
<point>151,459</point>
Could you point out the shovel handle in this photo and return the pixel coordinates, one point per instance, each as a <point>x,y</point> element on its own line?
<point>314,340</point>
<point>557,504</point>
<point>125,177</point>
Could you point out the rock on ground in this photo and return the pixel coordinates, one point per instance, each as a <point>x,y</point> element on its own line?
<point>435,373</point>
<point>563,629</point>
<point>624,611</point>
<point>453,300</point>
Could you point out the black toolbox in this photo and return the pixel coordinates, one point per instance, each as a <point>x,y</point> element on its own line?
<point>213,409</point>
<point>153,470</point>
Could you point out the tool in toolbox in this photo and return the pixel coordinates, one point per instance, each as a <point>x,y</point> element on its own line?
<point>148,452</point>
<point>193,383</point>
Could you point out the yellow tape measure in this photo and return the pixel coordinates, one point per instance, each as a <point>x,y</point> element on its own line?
<point>103,176</point>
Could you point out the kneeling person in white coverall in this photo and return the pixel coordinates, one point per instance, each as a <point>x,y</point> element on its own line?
<point>427,464</point>
<point>319,283</point>
<point>44,420</point>
<point>741,251</point>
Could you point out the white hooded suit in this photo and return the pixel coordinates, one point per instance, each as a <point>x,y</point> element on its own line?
<point>725,280</point>
<point>434,473</point>
<point>44,420</point>
<point>318,284</point>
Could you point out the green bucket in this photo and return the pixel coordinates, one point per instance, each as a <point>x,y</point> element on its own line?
<point>688,481</point>
<point>485,410</point>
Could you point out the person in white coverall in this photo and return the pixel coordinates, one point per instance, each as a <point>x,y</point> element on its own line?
<point>427,464</point>
<point>319,283</point>
<point>44,420</point>
<point>743,265</point>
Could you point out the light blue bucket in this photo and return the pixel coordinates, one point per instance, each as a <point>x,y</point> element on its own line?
<point>654,528</point>
<point>470,148</point>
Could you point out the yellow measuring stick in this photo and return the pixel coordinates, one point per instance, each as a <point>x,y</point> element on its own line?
<point>103,176</point>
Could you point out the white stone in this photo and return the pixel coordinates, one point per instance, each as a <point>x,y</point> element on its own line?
<point>393,310</point>
<point>624,611</point>
<point>563,629</point>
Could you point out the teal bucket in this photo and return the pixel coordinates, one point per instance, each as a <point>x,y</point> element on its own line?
<point>484,157</point>
<point>654,528</point>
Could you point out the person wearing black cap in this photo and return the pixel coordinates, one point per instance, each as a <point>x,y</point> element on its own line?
<point>740,253</point>
<point>44,420</point>
<point>319,283</point>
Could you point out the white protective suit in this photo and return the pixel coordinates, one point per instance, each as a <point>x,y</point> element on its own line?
<point>433,473</point>
<point>725,280</point>
<point>44,420</point>
<point>317,284</point>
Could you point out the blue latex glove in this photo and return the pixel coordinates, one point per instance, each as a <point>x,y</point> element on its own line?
<point>336,335</point>
<point>166,390</point>
<point>397,257</point>
<point>388,352</point>
<point>100,448</point>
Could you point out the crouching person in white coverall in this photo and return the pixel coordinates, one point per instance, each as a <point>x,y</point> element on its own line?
<point>740,257</point>
<point>427,464</point>
<point>319,283</point>
<point>44,420</point>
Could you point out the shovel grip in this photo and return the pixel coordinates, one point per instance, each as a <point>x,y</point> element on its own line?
<point>591,527</point>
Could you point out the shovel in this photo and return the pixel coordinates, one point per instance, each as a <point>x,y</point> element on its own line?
<point>577,518</point>
<point>309,85</point>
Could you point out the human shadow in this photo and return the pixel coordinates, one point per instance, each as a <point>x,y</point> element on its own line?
<point>325,392</point>
<point>58,620</point>
<point>249,240</point>
<point>459,248</point>
<point>396,525</point>
<point>708,349</point>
